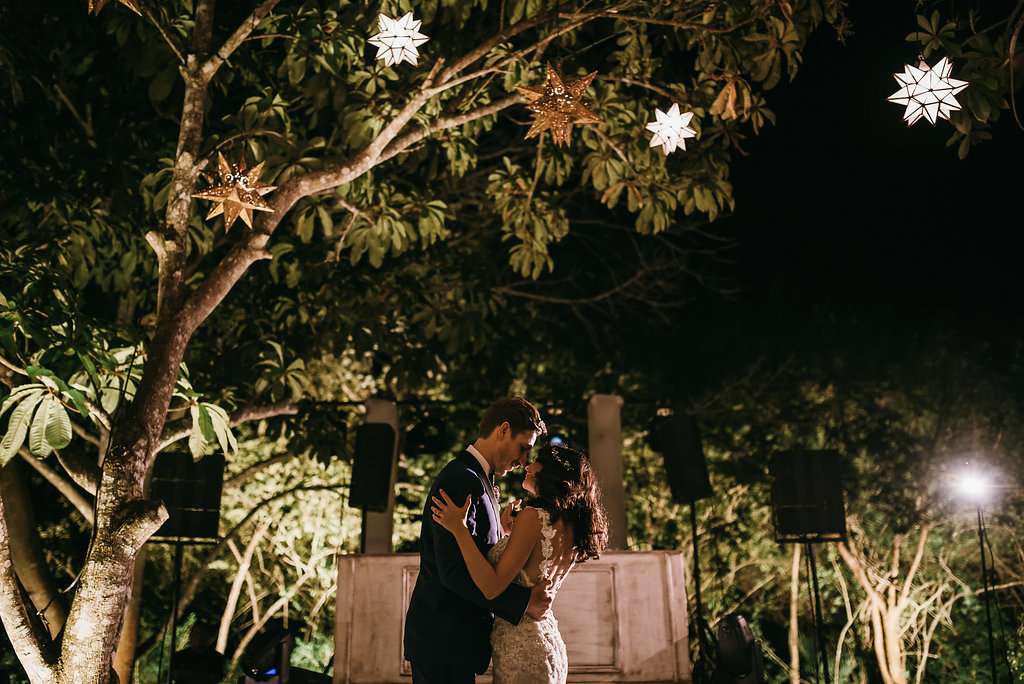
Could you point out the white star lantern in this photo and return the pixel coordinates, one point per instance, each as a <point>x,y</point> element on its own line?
<point>927,91</point>
<point>671,129</point>
<point>398,39</point>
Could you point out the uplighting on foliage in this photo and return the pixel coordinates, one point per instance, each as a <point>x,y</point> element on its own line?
<point>671,129</point>
<point>927,91</point>
<point>398,39</point>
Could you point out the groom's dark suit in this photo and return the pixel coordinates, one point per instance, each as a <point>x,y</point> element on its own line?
<point>449,620</point>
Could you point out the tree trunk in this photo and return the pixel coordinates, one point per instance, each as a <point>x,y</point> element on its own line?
<point>26,549</point>
<point>124,520</point>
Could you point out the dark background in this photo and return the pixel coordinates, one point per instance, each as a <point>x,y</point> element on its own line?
<point>843,208</point>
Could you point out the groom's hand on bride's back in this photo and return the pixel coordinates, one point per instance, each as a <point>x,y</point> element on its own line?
<point>541,596</point>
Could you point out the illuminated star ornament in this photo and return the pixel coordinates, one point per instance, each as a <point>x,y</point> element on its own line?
<point>96,5</point>
<point>927,92</point>
<point>236,192</point>
<point>671,129</point>
<point>558,104</point>
<point>398,39</point>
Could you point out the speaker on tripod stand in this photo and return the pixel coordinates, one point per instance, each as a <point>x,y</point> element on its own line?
<point>677,439</point>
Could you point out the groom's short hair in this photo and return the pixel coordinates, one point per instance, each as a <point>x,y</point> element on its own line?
<point>516,411</point>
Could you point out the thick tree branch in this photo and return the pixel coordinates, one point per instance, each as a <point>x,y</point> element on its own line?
<point>215,287</point>
<point>35,653</point>
<point>137,522</point>
<point>70,492</point>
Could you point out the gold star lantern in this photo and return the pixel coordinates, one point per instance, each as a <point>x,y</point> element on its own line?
<point>96,5</point>
<point>237,192</point>
<point>558,104</point>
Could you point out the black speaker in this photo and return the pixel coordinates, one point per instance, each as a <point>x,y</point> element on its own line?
<point>371,467</point>
<point>807,496</point>
<point>191,492</point>
<point>676,437</point>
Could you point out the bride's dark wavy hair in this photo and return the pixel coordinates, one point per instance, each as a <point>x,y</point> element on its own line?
<point>567,488</point>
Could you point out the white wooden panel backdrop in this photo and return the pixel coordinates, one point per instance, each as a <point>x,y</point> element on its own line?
<point>623,618</point>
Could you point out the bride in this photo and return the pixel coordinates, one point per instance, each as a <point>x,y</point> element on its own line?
<point>562,525</point>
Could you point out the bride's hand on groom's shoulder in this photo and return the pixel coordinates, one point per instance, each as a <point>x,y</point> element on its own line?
<point>448,515</point>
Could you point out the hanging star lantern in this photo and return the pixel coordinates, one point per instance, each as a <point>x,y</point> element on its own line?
<point>671,129</point>
<point>557,105</point>
<point>927,91</point>
<point>398,39</point>
<point>237,192</point>
<point>96,5</point>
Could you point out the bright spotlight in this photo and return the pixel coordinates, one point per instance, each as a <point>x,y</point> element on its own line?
<point>974,486</point>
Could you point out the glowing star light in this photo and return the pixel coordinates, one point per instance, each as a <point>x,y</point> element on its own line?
<point>557,105</point>
<point>236,192</point>
<point>927,92</point>
<point>671,129</point>
<point>398,39</point>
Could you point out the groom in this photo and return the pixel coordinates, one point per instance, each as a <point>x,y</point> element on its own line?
<point>448,625</point>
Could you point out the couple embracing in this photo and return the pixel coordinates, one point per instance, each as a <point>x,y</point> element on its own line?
<point>487,577</point>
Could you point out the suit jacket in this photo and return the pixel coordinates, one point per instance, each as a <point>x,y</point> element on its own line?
<point>449,620</point>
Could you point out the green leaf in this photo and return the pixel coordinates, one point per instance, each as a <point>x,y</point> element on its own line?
<point>196,442</point>
<point>19,393</point>
<point>37,443</point>
<point>18,427</point>
<point>78,399</point>
<point>90,369</point>
<point>222,427</point>
<point>205,423</point>
<point>58,425</point>
<point>38,371</point>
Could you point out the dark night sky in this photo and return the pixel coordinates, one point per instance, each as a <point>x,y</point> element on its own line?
<point>829,200</point>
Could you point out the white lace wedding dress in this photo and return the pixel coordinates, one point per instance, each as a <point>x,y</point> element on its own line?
<point>532,652</point>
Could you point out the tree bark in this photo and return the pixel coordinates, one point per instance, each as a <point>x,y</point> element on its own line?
<point>34,653</point>
<point>26,549</point>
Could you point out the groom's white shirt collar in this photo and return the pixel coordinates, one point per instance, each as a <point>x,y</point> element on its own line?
<point>480,457</point>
